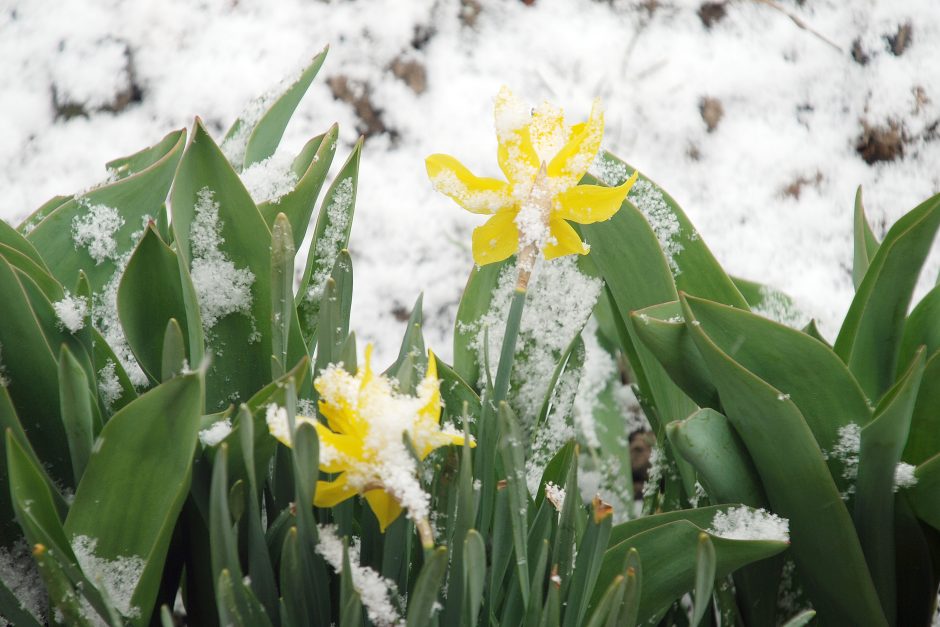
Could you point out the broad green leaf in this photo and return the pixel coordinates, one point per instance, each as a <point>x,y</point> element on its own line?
<point>12,238</point>
<point>672,548</point>
<point>865,242</point>
<point>44,210</point>
<point>770,303</point>
<point>75,404</point>
<point>232,254</point>
<point>798,483</point>
<point>107,220</point>
<point>870,337</point>
<point>133,489</point>
<point>662,329</point>
<point>423,598</point>
<point>149,295</point>
<point>330,236</point>
<point>311,167</point>
<point>922,327</point>
<point>923,496</point>
<point>257,132</point>
<point>882,442</point>
<point>697,271</point>
<point>123,167</point>
<point>916,575</point>
<point>804,370</point>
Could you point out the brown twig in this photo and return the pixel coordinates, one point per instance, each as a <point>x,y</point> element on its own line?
<point>800,23</point>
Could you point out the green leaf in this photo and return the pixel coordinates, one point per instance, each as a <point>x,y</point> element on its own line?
<point>706,563</point>
<point>474,304</point>
<point>511,445</point>
<point>133,198</point>
<point>474,574</point>
<point>61,592</point>
<point>282,291</point>
<point>798,483</point>
<point>802,369</point>
<point>262,132</point>
<point>609,603</point>
<point>123,167</point>
<point>350,604</point>
<point>803,618</point>
<point>237,605</point>
<point>882,442</point>
<point>173,356</point>
<point>698,272</point>
<point>14,611</point>
<point>422,600</point>
<point>865,242</point>
<point>311,166</point>
<point>75,405</point>
<point>226,213</point>
<point>869,340</point>
<point>134,486</point>
<point>633,587</point>
<point>923,496</point>
<point>149,295</point>
<point>13,240</point>
<point>662,330</point>
<point>330,236</point>
<point>673,548</point>
<point>581,586</point>
<point>551,613</point>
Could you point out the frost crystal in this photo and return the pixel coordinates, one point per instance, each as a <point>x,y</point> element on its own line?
<point>271,179</point>
<point>108,384</point>
<point>846,451</point>
<point>330,242</point>
<point>95,230</point>
<point>222,289</point>
<point>118,577</point>
<point>655,474</point>
<point>217,432</point>
<point>744,523</point>
<point>775,306</point>
<point>649,200</point>
<point>20,575</point>
<point>609,171</point>
<point>374,590</point>
<point>71,312</point>
<point>904,476</point>
<point>555,495</point>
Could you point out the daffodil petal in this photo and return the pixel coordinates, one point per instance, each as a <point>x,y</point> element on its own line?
<point>331,493</point>
<point>430,389</point>
<point>586,204</point>
<point>496,239</point>
<point>336,449</point>
<point>385,508</point>
<point>574,159</point>
<point>566,241</point>
<point>516,154</point>
<point>280,428</point>
<point>473,193</point>
<point>547,130</point>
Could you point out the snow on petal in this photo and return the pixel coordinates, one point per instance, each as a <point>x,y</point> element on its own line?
<point>574,159</point>
<point>473,193</point>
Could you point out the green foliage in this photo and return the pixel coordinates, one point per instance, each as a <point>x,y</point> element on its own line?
<point>144,349</point>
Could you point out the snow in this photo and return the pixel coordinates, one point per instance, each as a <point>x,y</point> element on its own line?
<point>664,223</point>
<point>95,229</point>
<point>216,432</point>
<point>744,523</point>
<point>20,574</point>
<point>555,495</point>
<point>118,577</point>
<point>374,590</point>
<point>271,179</point>
<point>71,312</point>
<point>904,476</point>
<point>328,244</point>
<point>846,451</point>
<point>108,384</point>
<point>221,288</point>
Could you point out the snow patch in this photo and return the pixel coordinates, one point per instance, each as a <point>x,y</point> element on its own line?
<point>215,433</point>
<point>117,577</point>
<point>95,230</point>
<point>71,312</point>
<point>744,523</point>
<point>271,179</point>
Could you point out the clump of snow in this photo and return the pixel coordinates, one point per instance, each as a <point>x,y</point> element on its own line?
<point>599,370</point>
<point>846,451</point>
<point>221,288</point>
<point>698,494</point>
<point>374,590</point>
<point>656,472</point>
<point>117,577</point>
<point>557,429</point>
<point>71,312</point>
<point>555,495</point>
<point>744,523</point>
<point>328,245</point>
<point>216,432</point>
<point>108,384</point>
<point>608,171</point>
<point>904,476</point>
<point>649,200</point>
<point>96,229</point>
<point>271,179</point>
<point>234,147</point>
<point>20,575</point>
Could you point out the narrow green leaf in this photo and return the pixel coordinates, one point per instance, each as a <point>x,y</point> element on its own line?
<point>474,575</point>
<point>882,442</point>
<point>350,604</point>
<point>706,563</point>
<point>582,584</point>
<point>282,290</point>
<point>13,609</point>
<point>551,614</point>
<point>609,603</point>
<point>865,242</point>
<point>422,601</point>
<point>166,617</point>
<point>237,605</point>
<point>923,496</point>
<point>511,445</point>
<point>474,304</point>
<point>75,404</point>
<point>533,613</point>
<point>869,340</point>
<point>803,618</point>
<point>633,587</point>
<point>61,593</point>
<point>173,355</point>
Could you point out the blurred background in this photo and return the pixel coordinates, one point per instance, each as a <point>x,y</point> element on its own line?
<point>760,117</point>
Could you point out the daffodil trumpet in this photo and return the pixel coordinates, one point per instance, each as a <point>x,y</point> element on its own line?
<point>362,445</point>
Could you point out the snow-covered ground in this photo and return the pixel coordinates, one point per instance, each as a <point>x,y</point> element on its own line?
<point>759,127</point>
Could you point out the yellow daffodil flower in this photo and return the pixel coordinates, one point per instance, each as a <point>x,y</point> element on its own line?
<point>543,160</point>
<point>362,442</point>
